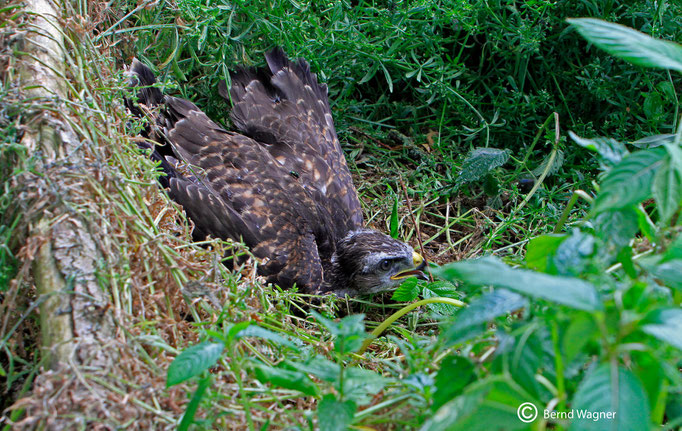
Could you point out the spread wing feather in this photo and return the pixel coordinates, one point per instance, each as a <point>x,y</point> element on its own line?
<point>287,111</point>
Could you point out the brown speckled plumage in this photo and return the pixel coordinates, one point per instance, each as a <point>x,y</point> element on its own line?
<point>282,186</point>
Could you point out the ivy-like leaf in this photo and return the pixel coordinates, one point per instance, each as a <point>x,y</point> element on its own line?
<point>630,181</point>
<point>193,361</point>
<point>481,161</point>
<point>489,271</point>
<point>630,45</point>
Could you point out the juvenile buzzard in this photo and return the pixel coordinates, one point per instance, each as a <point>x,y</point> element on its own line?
<point>281,185</point>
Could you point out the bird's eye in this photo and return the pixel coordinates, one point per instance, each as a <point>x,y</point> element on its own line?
<point>385,264</point>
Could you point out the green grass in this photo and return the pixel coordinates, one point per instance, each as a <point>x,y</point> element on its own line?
<point>414,88</point>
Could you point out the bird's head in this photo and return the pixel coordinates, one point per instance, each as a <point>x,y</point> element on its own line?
<point>369,261</point>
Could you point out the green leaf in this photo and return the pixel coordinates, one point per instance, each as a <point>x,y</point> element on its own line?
<point>334,415</point>
<point>666,325</point>
<point>287,379</point>
<point>630,45</point>
<point>320,367</point>
<point>610,151</point>
<point>479,162</point>
<point>234,330</point>
<point>489,271</point>
<point>630,181</point>
<point>360,385</point>
<point>193,405</point>
<point>441,289</point>
<point>407,291</point>
<point>667,271</point>
<point>540,250</point>
<point>489,404</point>
<point>606,389</point>
<point>266,334</point>
<point>490,305</point>
<point>394,219</point>
<point>572,257</point>
<point>349,331</point>
<point>654,141</point>
<point>674,250</point>
<point>581,330</point>
<point>454,374</point>
<point>668,184</point>
<point>193,361</point>
<point>616,228</point>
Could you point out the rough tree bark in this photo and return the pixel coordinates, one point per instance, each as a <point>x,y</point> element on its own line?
<point>73,317</point>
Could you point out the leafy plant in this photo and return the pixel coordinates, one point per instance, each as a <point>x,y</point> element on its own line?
<point>599,324</point>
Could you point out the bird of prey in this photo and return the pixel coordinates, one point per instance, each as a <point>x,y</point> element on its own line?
<point>280,184</point>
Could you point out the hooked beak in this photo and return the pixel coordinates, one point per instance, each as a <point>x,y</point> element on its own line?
<point>419,264</point>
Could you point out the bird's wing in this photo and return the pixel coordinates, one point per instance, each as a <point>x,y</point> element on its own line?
<point>241,192</point>
<point>284,108</point>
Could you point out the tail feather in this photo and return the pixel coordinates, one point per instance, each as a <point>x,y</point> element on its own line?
<point>141,78</point>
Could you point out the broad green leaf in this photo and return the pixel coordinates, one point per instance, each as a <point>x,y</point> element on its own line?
<point>667,191</point>
<point>630,45</point>
<point>630,181</point>
<point>606,389</point>
<point>266,334</point>
<point>540,250</point>
<point>579,332</point>
<point>320,367</point>
<point>485,405</point>
<point>616,228</point>
<point>674,250</point>
<point>334,415</point>
<point>572,257</point>
<point>287,379</point>
<point>407,291</point>
<point>479,162</point>
<point>454,374</point>
<point>489,271</point>
<point>610,151</point>
<point>531,354</point>
<point>349,332</point>
<point>361,385</point>
<point>667,271</point>
<point>439,289</point>
<point>668,184</point>
<point>666,325</point>
<point>193,361</point>
<point>499,302</point>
